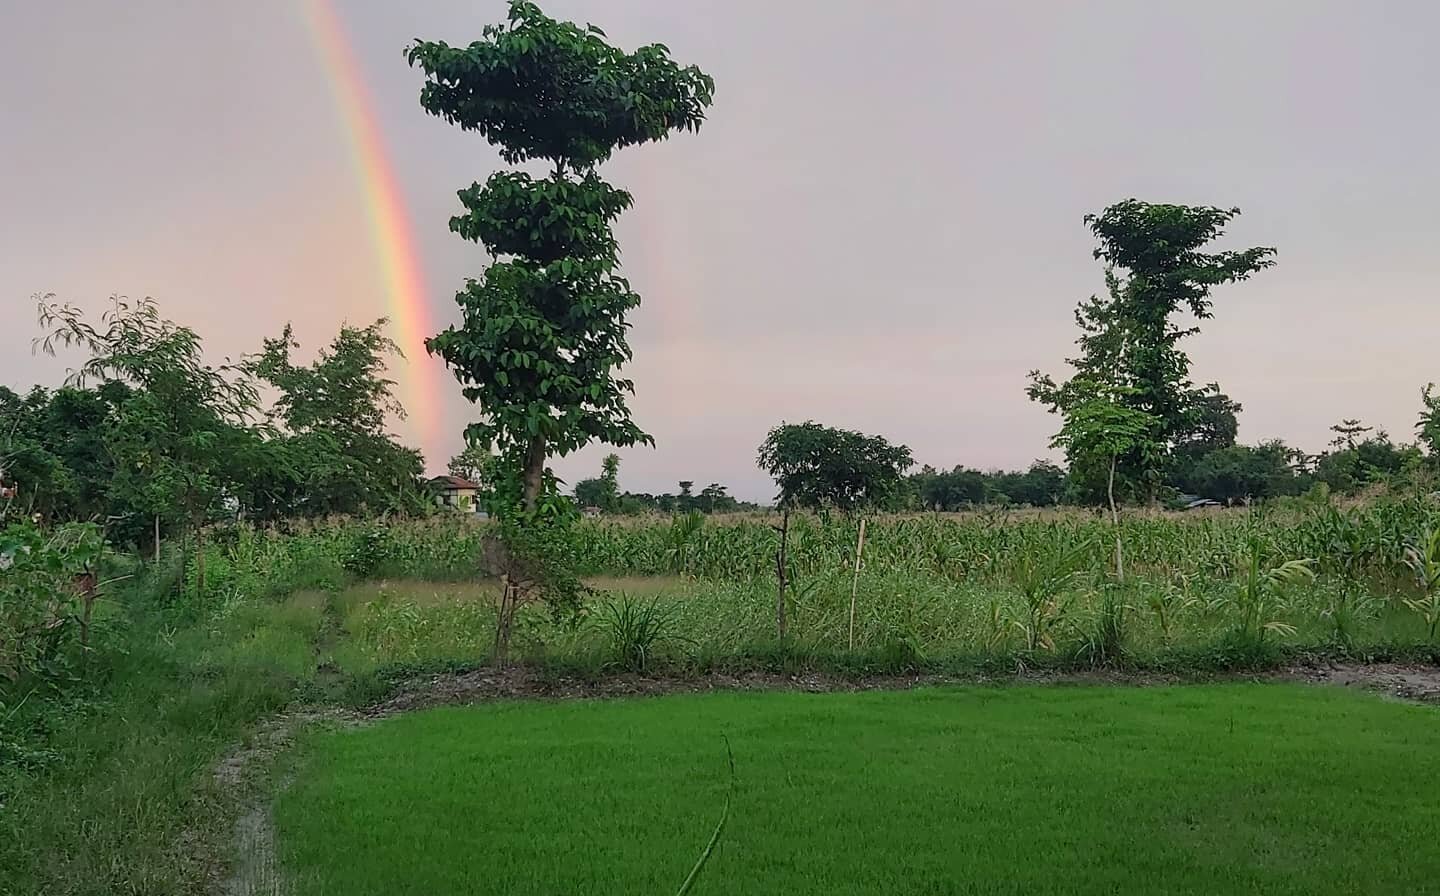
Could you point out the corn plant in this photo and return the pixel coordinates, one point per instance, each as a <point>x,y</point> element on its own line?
<point>1042,575</point>
<point>1167,601</point>
<point>680,546</point>
<point>1259,599</point>
<point>1423,558</point>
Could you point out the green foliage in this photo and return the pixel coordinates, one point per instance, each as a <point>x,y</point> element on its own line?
<point>1259,598</point>
<point>636,630</point>
<point>1429,425</point>
<point>333,454</point>
<point>1043,574</point>
<point>1423,558</point>
<point>543,332</point>
<point>821,468</point>
<point>542,89</point>
<point>1241,471</point>
<point>176,437</point>
<point>1128,340</point>
<point>42,603</point>
<point>683,539</point>
<point>1100,428</point>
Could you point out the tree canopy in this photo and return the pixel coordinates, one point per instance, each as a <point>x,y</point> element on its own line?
<point>1155,269</point>
<point>822,468</point>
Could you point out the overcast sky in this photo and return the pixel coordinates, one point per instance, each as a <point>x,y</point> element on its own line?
<point>880,226</point>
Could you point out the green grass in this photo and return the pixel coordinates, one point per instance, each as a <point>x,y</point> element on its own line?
<point>1213,789</point>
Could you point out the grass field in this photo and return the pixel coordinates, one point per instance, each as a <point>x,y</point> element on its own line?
<point>1201,789</point>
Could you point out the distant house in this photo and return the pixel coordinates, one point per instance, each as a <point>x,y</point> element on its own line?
<point>590,512</point>
<point>1194,502</point>
<point>456,493</point>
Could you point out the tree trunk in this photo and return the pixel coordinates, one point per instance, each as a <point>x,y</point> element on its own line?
<point>503,620</point>
<point>200,563</point>
<point>855,582</point>
<point>86,584</point>
<point>1115,519</point>
<point>534,474</point>
<point>157,539</point>
<point>780,574</point>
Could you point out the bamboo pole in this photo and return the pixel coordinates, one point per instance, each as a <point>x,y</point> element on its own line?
<point>855,582</point>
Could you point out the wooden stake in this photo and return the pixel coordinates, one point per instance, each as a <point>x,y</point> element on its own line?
<point>855,583</point>
<point>780,623</point>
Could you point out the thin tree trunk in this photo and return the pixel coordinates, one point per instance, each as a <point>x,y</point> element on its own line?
<point>200,563</point>
<point>87,584</point>
<point>503,619</point>
<point>534,474</point>
<point>855,582</point>
<point>157,539</point>
<point>1115,519</point>
<point>780,564</point>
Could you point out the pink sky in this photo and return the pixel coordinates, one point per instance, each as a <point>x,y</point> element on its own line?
<point>880,226</point>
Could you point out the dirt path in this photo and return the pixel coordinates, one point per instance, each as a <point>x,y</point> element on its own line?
<point>1416,683</point>
<point>243,771</point>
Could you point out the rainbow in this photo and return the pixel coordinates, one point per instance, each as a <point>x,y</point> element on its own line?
<point>397,256</point>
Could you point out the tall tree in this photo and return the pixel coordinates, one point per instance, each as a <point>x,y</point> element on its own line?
<point>334,414</point>
<point>1155,268</point>
<point>542,333</point>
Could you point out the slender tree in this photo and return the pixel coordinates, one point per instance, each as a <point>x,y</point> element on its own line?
<point>1101,428</point>
<point>543,331</point>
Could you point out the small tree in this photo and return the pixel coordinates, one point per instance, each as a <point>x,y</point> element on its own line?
<point>602,492</point>
<point>1099,430</point>
<point>820,468</point>
<point>1429,425</point>
<point>472,463</point>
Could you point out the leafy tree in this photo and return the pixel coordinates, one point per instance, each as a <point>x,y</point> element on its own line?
<point>1346,433</point>
<point>602,492</point>
<point>1040,486</point>
<point>589,492</point>
<point>1101,428</point>
<point>1214,424</point>
<point>175,438</point>
<point>1429,425</point>
<point>1358,462</point>
<point>1155,269</point>
<point>472,463</point>
<point>543,331</point>
<point>333,414</point>
<point>956,489</point>
<point>821,468</point>
<point>1243,471</point>
<point>715,498</point>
